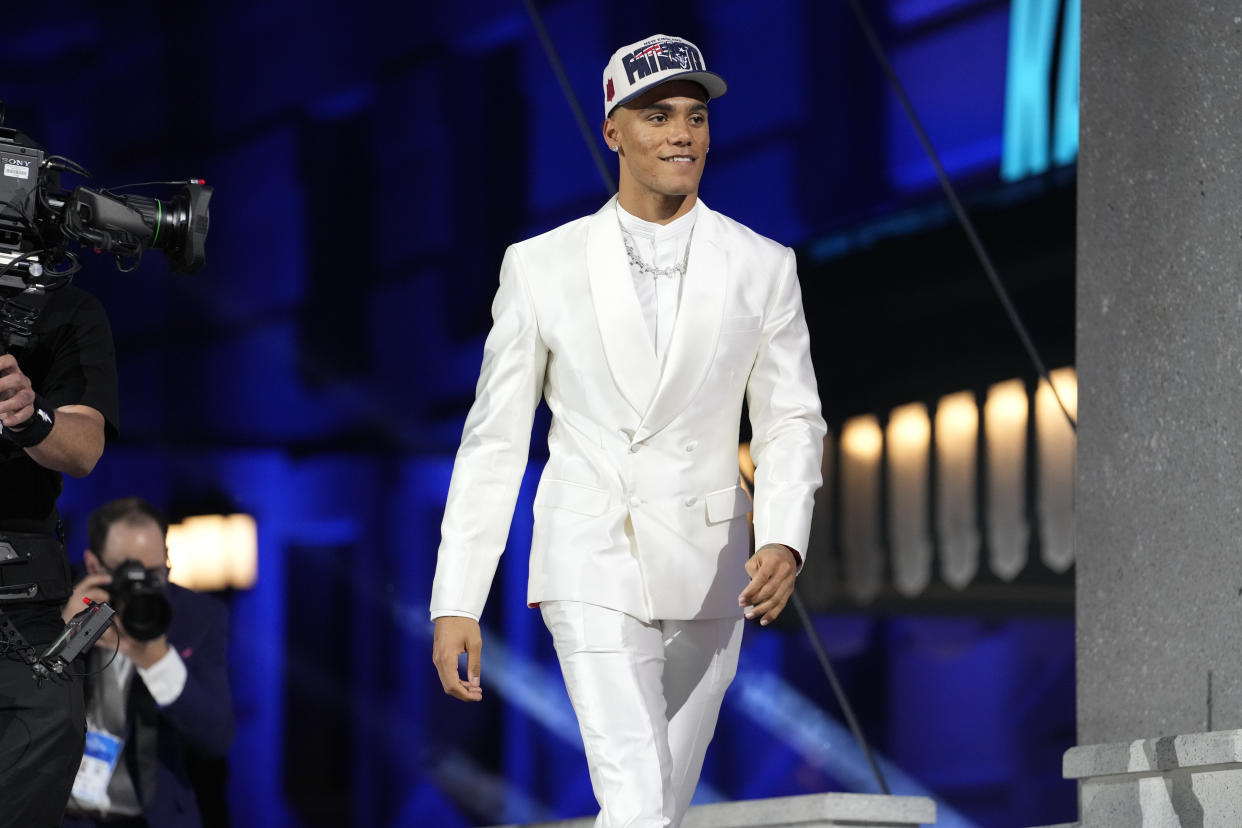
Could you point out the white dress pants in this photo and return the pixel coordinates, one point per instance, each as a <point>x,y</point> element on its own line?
<point>647,696</point>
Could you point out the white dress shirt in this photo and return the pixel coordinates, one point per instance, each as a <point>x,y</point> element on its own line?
<point>659,246</point>
<point>107,712</point>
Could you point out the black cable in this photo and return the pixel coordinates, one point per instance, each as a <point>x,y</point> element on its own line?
<point>12,263</point>
<point>61,163</point>
<point>817,644</point>
<point>561,77</point>
<point>119,187</point>
<point>821,655</point>
<point>116,648</point>
<point>967,225</point>
<point>17,208</point>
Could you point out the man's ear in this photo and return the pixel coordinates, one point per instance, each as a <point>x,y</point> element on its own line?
<point>93,565</point>
<point>610,133</point>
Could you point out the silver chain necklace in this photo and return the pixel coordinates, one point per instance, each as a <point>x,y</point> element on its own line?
<point>651,270</point>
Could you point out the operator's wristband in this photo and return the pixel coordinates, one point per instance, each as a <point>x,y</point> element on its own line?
<point>35,429</point>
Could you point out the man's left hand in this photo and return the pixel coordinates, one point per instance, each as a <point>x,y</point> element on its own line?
<point>772,570</point>
<point>144,653</point>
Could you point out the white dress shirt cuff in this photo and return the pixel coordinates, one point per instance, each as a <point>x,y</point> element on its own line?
<point>453,614</point>
<point>165,679</point>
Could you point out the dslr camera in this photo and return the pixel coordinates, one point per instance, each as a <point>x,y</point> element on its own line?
<point>138,597</point>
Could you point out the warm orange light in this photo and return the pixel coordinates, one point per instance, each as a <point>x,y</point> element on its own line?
<point>957,419</point>
<point>1006,406</point>
<point>909,428</point>
<point>862,445</point>
<point>909,458</point>
<point>861,437</point>
<point>1005,417</point>
<point>1065,381</point>
<point>957,440</point>
<point>213,552</point>
<point>1056,445</point>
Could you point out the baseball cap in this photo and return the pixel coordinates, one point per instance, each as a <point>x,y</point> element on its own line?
<point>636,68</point>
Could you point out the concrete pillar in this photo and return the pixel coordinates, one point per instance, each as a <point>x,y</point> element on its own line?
<point>1159,500</point>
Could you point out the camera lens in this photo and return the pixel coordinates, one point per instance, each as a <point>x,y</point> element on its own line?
<point>140,600</point>
<point>147,617</point>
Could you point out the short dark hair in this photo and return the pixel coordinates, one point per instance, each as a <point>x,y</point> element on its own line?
<point>131,510</point>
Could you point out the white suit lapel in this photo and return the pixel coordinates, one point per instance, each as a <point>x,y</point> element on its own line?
<point>626,339</point>
<point>699,316</point>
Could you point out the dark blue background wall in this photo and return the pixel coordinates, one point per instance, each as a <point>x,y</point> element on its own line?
<point>371,161</point>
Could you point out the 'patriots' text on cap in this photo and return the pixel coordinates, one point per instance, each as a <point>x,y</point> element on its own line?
<point>660,56</point>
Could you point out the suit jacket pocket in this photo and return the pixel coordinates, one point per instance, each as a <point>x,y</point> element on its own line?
<point>572,497</point>
<point>726,504</point>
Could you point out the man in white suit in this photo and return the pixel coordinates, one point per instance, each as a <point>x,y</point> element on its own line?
<point>643,326</point>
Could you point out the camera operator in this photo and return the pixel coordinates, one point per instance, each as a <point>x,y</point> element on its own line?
<point>164,699</point>
<point>58,405</point>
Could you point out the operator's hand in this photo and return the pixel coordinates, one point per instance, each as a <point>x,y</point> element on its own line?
<point>16,395</point>
<point>92,586</point>
<point>453,637</point>
<point>142,653</point>
<point>772,570</point>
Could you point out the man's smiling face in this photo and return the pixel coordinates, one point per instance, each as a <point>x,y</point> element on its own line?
<point>662,137</point>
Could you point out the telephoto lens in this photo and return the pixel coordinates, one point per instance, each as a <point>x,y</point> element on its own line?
<point>140,600</point>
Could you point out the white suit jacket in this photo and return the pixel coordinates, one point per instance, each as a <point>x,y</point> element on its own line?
<point>638,508</point>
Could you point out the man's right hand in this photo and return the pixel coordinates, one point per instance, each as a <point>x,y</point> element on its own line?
<point>92,586</point>
<point>454,636</point>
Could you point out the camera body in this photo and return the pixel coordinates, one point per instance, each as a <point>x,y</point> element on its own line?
<point>139,598</point>
<point>38,218</point>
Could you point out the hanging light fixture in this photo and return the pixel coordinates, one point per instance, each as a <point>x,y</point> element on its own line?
<point>957,518</point>
<point>908,437</point>
<point>214,552</point>
<point>1056,444</point>
<point>1005,417</point>
<point>862,445</point>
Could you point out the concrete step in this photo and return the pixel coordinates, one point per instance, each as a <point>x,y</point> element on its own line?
<point>1191,779</point>
<point>810,811</point>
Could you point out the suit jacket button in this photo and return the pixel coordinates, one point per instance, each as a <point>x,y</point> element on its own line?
<point>635,500</point>
<point>634,448</point>
<point>692,445</point>
<point>690,501</point>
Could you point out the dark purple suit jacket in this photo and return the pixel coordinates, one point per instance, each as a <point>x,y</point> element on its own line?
<point>162,745</point>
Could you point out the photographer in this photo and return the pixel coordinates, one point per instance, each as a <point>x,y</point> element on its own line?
<point>58,405</point>
<point>164,699</point>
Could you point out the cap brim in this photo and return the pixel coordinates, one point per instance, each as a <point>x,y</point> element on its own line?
<point>710,81</point>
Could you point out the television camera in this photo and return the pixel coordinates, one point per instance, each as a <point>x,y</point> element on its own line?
<point>39,221</point>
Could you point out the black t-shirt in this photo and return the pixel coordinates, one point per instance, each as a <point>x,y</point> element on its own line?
<point>70,360</point>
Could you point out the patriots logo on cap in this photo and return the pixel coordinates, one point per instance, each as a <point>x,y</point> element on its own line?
<point>639,66</point>
<point>661,56</point>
